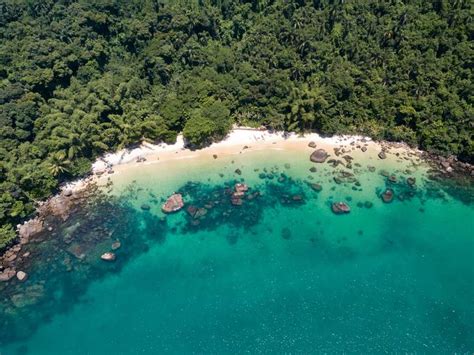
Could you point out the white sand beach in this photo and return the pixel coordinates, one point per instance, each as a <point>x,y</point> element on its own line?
<point>240,140</point>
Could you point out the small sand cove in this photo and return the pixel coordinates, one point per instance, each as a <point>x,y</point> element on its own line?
<point>242,140</point>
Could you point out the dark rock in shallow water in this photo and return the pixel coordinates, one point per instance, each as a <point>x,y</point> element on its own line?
<point>236,201</point>
<point>411,181</point>
<point>77,251</point>
<point>387,196</point>
<point>382,155</point>
<point>201,212</point>
<point>312,144</point>
<point>286,233</point>
<point>319,156</point>
<point>214,156</point>
<point>392,179</point>
<point>238,171</point>
<point>363,148</point>
<point>29,297</point>
<point>316,187</point>
<point>173,204</point>
<point>241,187</point>
<point>340,207</point>
<point>109,256</point>
<point>191,210</point>
<point>145,207</point>
<point>368,204</point>
<point>313,169</point>
<point>348,158</point>
<point>335,162</point>
<point>116,245</point>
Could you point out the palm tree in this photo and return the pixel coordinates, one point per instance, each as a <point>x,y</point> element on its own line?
<point>58,164</point>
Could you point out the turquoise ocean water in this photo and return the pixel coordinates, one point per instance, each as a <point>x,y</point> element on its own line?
<point>278,274</point>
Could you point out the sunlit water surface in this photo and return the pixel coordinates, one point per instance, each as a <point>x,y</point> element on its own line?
<point>277,274</point>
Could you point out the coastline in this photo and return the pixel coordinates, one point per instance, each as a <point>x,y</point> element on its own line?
<point>240,140</point>
<point>119,205</point>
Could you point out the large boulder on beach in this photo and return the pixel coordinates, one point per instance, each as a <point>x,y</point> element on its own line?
<point>382,155</point>
<point>340,208</point>
<point>312,144</point>
<point>319,156</point>
<point>173,203</point>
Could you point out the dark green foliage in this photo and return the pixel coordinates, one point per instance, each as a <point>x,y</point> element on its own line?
<point>78,78</point>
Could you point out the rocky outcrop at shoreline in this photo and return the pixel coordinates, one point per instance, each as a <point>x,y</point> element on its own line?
<point>60,207</point>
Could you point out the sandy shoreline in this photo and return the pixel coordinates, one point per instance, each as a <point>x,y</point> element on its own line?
<point>239,140</point>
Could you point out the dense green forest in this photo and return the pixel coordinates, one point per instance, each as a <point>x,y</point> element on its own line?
<point>79,78</point>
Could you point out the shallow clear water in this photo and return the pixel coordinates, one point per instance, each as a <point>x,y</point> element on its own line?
<point>274,275</point>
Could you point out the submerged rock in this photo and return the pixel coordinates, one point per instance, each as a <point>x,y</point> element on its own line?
<point>316,187</point>
<point>241,187</point>
<point>340,208</point>
<point>29,297</point>
<point>236,201</point>
<point>286,233</point>
<point>411,181</point>
<point>173,204</point>
<point>239,192</point>
<point>116,245</point>
<point>109,256</point>
<point>145,207</point>
<point>392,178</point>
<point>368,204</point>
<point>319,156</point>
<point>387,196</point>
<point>77,251</point>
